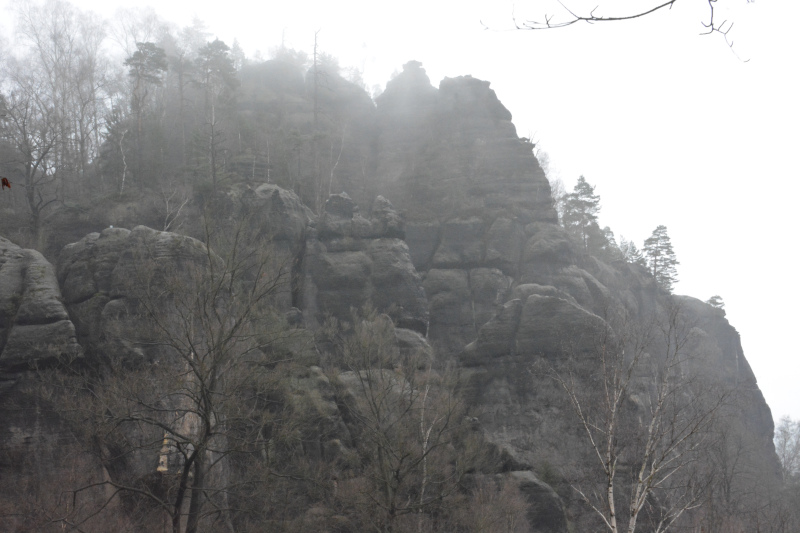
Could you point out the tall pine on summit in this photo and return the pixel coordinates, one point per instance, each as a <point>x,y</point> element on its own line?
<point>661,258</point>
<point>581,207</point>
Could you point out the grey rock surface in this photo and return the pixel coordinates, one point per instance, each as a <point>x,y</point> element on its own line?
<point>35,327</point>
<point>102,272</point>
<point>351,262</point>
<point>546,511</point>
<point>471,261</point>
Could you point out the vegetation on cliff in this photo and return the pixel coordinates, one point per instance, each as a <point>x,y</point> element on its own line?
<point>350,315</point>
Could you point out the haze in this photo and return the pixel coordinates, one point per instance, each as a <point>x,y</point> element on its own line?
<point>671,127</point>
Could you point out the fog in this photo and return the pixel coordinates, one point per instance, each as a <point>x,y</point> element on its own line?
<point>672,127</point>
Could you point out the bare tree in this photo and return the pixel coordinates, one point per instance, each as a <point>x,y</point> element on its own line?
<point>495,506</point>
<point>564,13</point>
<point>645,412</point>
<point>185,395</point>
<point>56,89</point>
<point>413,437</point>
<point>743,491</point>
<point>787,444</point>
<point>65,56</point>
<point>33,129</point>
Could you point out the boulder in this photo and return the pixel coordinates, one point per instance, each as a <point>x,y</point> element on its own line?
<point>546,512</point>
<point>35,327</point>
<point>551,327</point>
<point>414,346</point>
<point>497,338</point>
<point>103,271</point>
<point>281,215</point>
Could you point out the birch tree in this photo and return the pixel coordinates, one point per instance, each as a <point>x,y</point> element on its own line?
<point>644,413</point>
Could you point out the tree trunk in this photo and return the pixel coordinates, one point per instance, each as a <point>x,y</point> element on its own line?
<point>196,501</point>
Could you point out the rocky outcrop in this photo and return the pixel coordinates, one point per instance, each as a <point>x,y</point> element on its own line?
<point>34,324</point>
<point>539,326</point>
<point>35,334</point>
<point>478,204</point>
<point>104,272</point>
<point>351,262</point>
<point>462,250</point>
<point>443,151</point>
<point>546,511</point>
<point>404,109</point>
<point>721,358</point>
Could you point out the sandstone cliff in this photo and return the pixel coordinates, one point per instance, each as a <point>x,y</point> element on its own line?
<point>458,243</point>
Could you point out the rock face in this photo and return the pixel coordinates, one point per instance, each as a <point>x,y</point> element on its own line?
<point>277,221</point>
<point>35,333</point>
<point>100,273</point>
<point>443,151</point>
<point>722,357</point>
<point>34,324</point>
<point>540,326</point>
<point>461,248</point>
<point>506,286</point>
<point>478,207</point>
<point>113,282</point>
<point>351,262</point>
<point>546,512</point>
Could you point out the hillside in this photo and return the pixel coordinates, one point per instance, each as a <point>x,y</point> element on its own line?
<point>377,323</point>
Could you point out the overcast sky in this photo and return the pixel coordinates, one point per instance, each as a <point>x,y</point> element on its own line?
<point>671,127</point>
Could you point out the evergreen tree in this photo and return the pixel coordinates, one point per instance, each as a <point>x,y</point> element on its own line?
<point>216,76</point>
<point>581,207</point>
<point>631,253</point>
<point>608,248</point>
<point>661,258</point>
<point>716,301</point>
<point>145,70</point>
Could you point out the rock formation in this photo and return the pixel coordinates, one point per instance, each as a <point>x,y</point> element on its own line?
<point>460,247</point>
<point>351,262</point>
<point>34,324</point>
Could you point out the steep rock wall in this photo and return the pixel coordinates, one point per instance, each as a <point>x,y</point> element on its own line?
<point>473,259</point>
<point>351,262</point>
<point>506,285</point>
<point>34,324</point>
<point>36,334</point>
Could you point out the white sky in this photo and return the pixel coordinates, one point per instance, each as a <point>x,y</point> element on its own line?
<point>672,127</point>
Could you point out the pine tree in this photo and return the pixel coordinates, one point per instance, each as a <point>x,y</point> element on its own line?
<point>661,258</point>
<point>145,69</point>
<point>216,76</point>
<point>608,248</point>
<point>581,207</point>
